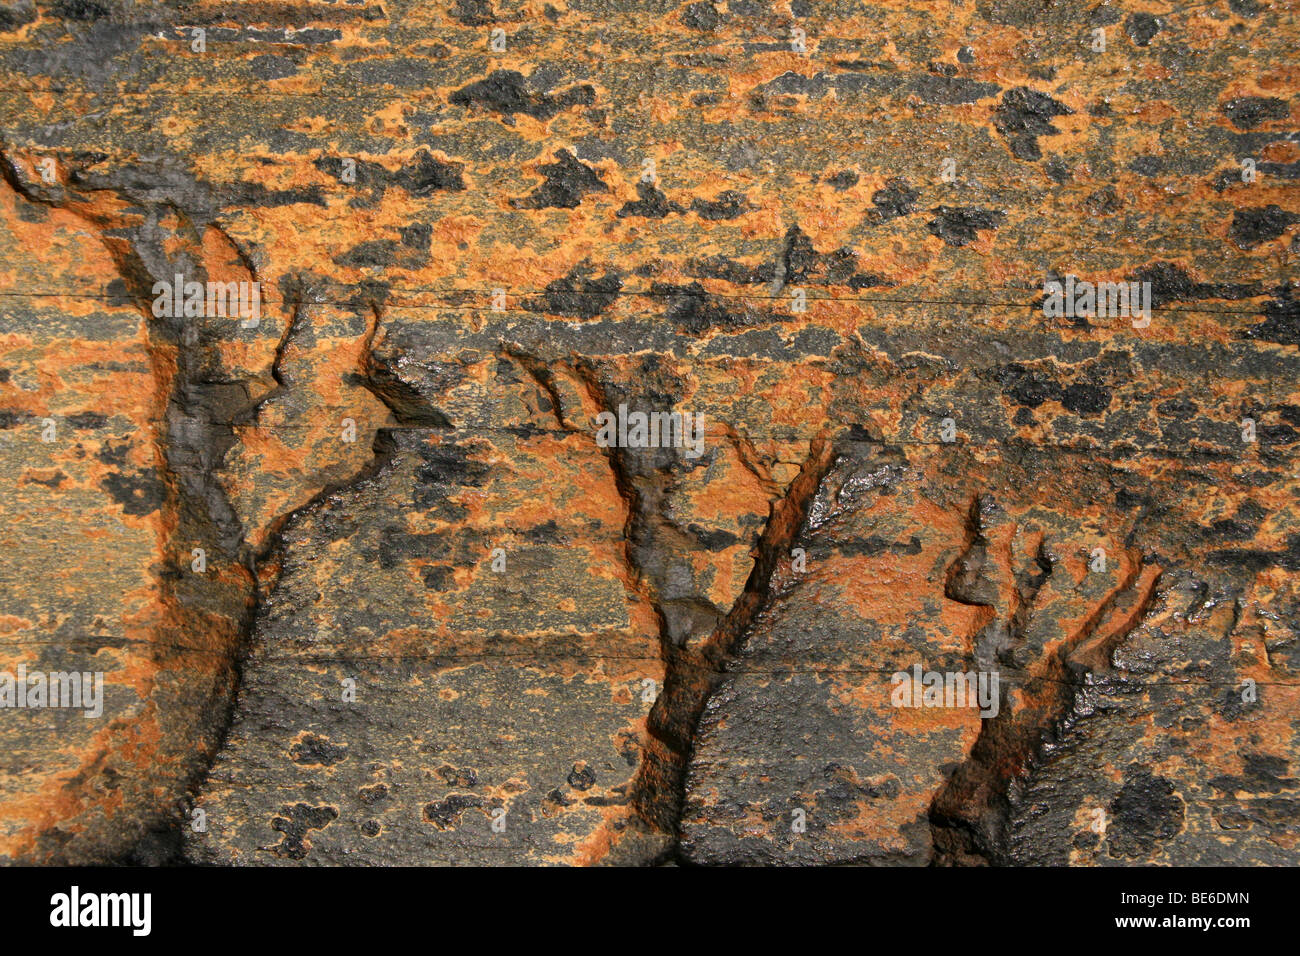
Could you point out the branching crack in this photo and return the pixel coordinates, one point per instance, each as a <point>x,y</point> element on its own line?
<point>970,814</point>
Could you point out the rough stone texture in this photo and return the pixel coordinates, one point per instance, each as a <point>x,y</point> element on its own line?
<point>653,675</point>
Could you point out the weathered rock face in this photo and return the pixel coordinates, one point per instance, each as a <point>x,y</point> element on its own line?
<point>368,582</point>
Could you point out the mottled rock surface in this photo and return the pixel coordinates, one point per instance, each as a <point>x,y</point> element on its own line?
<point>366,586</point>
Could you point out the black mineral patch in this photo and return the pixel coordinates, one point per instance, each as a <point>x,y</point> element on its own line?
<point>1084,399</point>
<point>959,226</point>
<point>726,205</point>
<point>139,494</point>
<point>319,751</point>
<point>566,181</point>
<point>473,13</point>
<point>1281,322</point>
<point>578,295</point>
<point>1142,28</point>
<point>1023,116</point>
<point>1250,227</point>
<point>651,203</point>
<point>299,819</point>
<point>1248,112</point>
<point>895,199</point>
<point>506,92</point>
<point>1145,811</point>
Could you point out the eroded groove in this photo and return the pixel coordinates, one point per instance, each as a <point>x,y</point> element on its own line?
<point>694,672</point>
<point>195,432</point>
<point>190,443</point>
<point>970,814</point>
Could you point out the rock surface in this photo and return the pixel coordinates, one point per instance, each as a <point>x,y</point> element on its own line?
<point>366,586</point>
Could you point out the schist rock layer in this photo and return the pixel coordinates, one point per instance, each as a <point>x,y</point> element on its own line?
<point>641,433</point>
